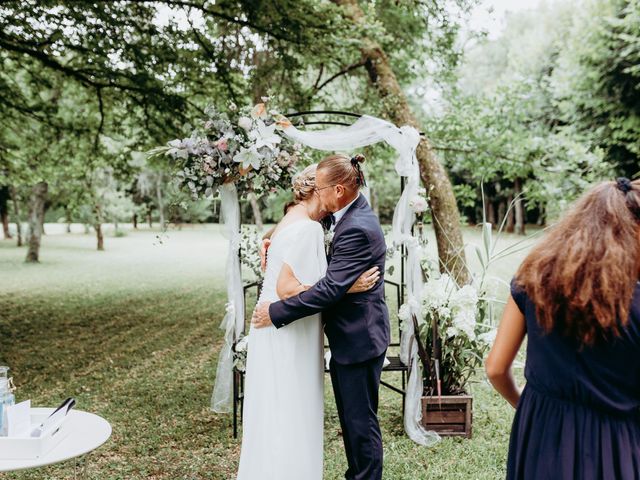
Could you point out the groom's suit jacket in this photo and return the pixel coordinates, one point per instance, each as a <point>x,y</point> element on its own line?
<point>356,324</point>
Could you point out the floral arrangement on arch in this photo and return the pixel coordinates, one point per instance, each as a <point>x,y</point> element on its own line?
<point>250,238</point>
<point>240,353</point>
<point>242,146</point>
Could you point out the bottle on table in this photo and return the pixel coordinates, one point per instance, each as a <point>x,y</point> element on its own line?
<point>6,398</point>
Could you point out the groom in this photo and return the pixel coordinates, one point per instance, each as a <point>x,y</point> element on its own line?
<point>357,325</point>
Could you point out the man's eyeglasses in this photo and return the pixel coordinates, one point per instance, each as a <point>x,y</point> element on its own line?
<point>322,188</point>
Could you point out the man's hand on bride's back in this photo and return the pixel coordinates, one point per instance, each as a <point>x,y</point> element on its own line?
<point>261,318</point>
<point>366,281</point>
<point>263,253</point>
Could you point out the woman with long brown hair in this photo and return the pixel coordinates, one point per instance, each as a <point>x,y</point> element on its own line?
<point>577,299</point>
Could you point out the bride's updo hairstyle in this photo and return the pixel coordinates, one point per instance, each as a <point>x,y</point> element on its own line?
<point>344,170</point>
<point>304,183</point>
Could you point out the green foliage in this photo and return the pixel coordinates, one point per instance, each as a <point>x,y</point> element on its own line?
<point>140,73</point>
<point>596,80</point>
<point>552,103</point>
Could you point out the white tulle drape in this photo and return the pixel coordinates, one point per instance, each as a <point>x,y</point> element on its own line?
<point>365,131</point>
<point>233,321</point>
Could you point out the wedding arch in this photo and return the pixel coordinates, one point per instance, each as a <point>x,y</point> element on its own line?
<point>257,151</point>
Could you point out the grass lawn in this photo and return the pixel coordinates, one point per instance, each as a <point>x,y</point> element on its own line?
<point>132,333</point>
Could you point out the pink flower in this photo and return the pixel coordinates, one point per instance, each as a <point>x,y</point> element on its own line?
<point>222,144</point>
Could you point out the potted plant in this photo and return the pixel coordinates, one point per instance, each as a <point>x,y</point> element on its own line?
<point>454,332</point>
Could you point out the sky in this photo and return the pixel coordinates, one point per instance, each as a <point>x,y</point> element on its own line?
<point>490,14</point>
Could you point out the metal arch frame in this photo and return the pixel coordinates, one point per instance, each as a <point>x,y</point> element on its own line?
<point>403,251</point>
<point>329,122</point>
<point>396,365</point>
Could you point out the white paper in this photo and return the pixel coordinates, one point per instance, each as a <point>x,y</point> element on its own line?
<point>18,419</point>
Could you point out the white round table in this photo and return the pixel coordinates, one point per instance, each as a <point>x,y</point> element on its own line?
<point>86,433</point>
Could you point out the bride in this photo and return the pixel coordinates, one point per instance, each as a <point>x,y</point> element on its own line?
<point>283,412</point>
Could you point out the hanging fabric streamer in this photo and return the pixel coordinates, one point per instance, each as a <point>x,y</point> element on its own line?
<point>233,321</point>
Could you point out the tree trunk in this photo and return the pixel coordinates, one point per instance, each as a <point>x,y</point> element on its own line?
<point>444,210</point>
<point>36,218</point>
<point>542,215</point>
<point>44,211</point>
<point>375,205</point>
<point>502,210</point>
<point>490,214</point>
<point>255,208</point>
<point>135,221</point>
<point>149,218</point>
<point>160,200</point>
<point>510,225</point>
<point>98,227</point>
<point>4,211</point>
<point>99,236</point>
<point>519,207</point>
<point>67,213</point>
<point>16,211</point>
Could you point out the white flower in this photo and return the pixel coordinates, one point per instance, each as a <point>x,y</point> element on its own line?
<point>328,239</point>
<point>233,107</point>
<point>265,136</point>
<point>177,149</point>
<point>436,292</point>
<point>245,123</point>
<point>464,306</point>
<point>419,204</point>
<point>248,157</point>
<point>451,332</point>
<point>242,344</point>
<point>488,337</point>
<point>404,314</point>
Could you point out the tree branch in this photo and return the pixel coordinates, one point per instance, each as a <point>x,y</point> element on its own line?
<point>101,109</point>
<point>213,13</point>
<point>344,71</point>
<point>320,72</point>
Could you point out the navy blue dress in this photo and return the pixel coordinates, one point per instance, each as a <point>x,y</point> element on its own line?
<point>579,414</point>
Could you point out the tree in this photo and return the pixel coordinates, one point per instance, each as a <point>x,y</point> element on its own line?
<point>597,76</point>
<point>4,209</point>
<point>503,126</point>
<point>132,68</point>
<point>36,219</point>
<point>446,218</point>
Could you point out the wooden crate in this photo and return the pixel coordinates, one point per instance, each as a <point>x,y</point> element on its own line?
<point>450,416</point>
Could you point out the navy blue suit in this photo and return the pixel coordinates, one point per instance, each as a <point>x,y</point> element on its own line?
<point>357,326</point>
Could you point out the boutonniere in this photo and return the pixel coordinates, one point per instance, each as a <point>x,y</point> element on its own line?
<point>328,239</point>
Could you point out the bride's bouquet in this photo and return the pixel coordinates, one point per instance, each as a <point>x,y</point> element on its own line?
<point>245,147</point>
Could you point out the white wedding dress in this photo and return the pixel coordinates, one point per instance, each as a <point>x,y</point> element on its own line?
<point>283,413</point>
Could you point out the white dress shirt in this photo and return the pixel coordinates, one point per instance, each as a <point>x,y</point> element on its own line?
<point>340,213</point>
